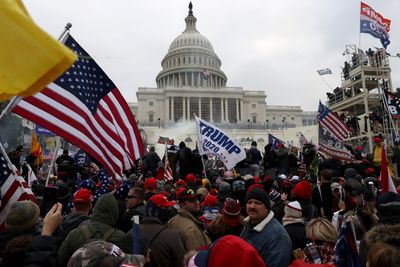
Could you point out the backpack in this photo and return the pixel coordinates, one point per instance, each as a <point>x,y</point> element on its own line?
<point>88,234</point>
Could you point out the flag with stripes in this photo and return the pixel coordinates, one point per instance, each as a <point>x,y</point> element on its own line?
<point>385,178</point>
<point>332,122</point>
<point>302,139</point>
<point>84,107</point>
<point>167,168</point>
<point>13,189</point>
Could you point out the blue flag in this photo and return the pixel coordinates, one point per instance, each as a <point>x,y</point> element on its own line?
<point>274,141</point>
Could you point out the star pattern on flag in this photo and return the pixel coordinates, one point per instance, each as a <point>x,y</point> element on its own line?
<point>85,80</point>
<point>4,171</point>
<point>122,191</point>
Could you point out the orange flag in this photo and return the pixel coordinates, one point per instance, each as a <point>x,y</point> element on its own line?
<point>36,150</point>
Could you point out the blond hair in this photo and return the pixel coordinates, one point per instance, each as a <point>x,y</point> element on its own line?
<point>321,229</point>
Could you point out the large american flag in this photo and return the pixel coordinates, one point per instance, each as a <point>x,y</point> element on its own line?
<point>332,122</point>
<point>84,107</point>
<point>13,189</point>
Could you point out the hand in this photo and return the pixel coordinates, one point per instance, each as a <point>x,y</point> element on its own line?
<point>93,168</point>
<point>52,219</point>
<point>284,196</point>
<point>341,205</point>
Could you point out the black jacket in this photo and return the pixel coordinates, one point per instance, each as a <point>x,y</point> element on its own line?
<point>42,252</point>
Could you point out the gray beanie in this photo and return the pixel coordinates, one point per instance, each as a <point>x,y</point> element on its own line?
<point>23,215</point>
<point>260,195</point>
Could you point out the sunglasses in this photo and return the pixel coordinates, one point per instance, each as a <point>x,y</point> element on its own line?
<point>129,197</point>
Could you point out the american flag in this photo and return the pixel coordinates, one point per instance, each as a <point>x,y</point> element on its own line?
<point>167,168</point>
<point>84,107</point>
<point>332,122</point>
<point>13,189</point>
<point>302,139</point>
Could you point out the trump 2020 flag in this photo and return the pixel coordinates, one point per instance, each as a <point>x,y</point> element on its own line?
<point>274,141</point>
<point>213,140</point>
<point>84,107</point>
<point>375,24</point>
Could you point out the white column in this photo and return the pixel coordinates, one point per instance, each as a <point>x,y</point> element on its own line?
<point>188,109</point>
<point>186,79</point>
<point>226,110</point>
<point>222,110</point>
<point>184,108</point>
<point>199,107</point>
<point>237,109</point>
<point>211,111</point>
<point>172,108</point>
<point>165,116</point>
<point>179,80</point>
<point>192,77</point>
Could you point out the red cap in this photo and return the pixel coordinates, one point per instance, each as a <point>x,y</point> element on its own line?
<point>257,179</point>
<point>377,140</point>
<point>83,196</point>
<point>369,171</point>
<point>255,185</point>
<point>180,182</point>
<point>302,190</point>
<point>191,178</point>
<point>209,201</point>
<point>161,201</point>
<point>150,184</point>
<point>179,191</point>
<point>231,207</point>
<point>213,192</point>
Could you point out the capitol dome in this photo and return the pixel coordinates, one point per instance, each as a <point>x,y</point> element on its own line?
<point>191,61</point>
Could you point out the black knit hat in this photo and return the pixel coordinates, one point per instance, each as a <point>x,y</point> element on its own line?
<point>260,195</point>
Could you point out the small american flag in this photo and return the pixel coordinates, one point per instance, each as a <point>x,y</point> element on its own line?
<point>13,189</point>
<point>84,107</point>
<point>302,139</point>
<point>167,168</point>
<point>332,122</point>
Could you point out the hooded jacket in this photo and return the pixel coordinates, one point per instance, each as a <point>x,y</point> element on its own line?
<point>190,229</point>
<point>105,217</point>
<point>383,233</point>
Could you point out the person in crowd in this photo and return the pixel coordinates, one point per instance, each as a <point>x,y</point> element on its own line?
<point>383,233</point>
<point>183,158</point>
<point>322,236</point>
<point>102,226</point>
<point>293,221</point>
<point>282,159</point>
<point>151,160</point>
<point>230,222</point>
<point>82,201</point>
<point>165,244</point>
<point>293,159</point>
<point>171,154</point>
<point>64,166</point>
<point>227,251</point>
<point>255,159</point>
<point>210,208</point>
<point>15,156</point>
<point>244,165</point>
<point>102,253</point>
<point>322,197</point>
<point>21,220</point>
<point>269,162</point>
<point>264,232</point>
<point>150,186</point>
<point>134,206</point>
<point>382,254</point>
<point>302,192</point>
<point>186,223</point>
<point>277,203</point>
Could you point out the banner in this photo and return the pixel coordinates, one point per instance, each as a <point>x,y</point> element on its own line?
<point>375,24</point>
<point>212,140</point>
<point>324,71</point>
<point>393,104</point>
<point>274,141</point>
<point>329,145</point>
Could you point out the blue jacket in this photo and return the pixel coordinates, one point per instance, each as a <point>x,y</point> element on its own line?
<point>271,240</point>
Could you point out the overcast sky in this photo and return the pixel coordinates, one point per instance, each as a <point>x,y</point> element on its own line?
<point>275,46</point>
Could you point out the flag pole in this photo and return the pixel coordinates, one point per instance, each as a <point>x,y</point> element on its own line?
<point>3,152</point>
<point>53,160</point>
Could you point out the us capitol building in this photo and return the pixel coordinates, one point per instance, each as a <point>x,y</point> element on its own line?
<point>191,82</point>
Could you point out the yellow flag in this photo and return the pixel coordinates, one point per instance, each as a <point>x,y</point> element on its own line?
<point>30,58</point>
<point>36,150</point>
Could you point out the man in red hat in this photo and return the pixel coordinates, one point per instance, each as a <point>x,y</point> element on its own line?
<point>186,222</point>
<point>82,201</point>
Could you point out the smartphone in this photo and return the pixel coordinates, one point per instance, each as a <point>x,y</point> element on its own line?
<point>49,199</point>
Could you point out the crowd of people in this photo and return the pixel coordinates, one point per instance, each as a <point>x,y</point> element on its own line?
<point>277,208</point>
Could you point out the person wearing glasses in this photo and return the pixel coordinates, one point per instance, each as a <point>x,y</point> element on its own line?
<point>134,206</point>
